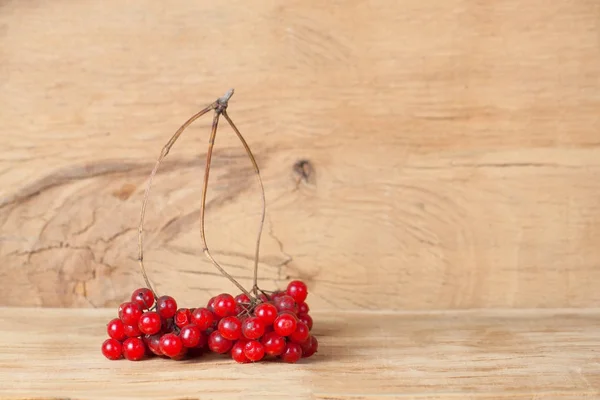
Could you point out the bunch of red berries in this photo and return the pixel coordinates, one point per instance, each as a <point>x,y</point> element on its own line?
<point>272,326</point>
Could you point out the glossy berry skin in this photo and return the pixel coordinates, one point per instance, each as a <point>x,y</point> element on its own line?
<point>298,291</point>
<point>253,328</point>
<point>292,353</point>
<point>153,343</point>
<point>242,298</point>
<point>134,349</point>
<point>150,323</point>
<point>285,303</point>
<point>300,334</point>
<point>237,352</point>
<point>285,325</point>
<point>130,313</point>
<point>190,335</point>
<point>309,347</point>
<point>303,308</point>
<point>254,350</point>
<point>224,305</point>
<point>273,343</point>
<point>211,304</point>
<point>218,344</point>
<point>171,345</point>
<point>112,349</point>
<point>116,330</point>
<point>307,319</point>
<point>143,297</point>
<point>267,312</point>
<point>230,328</point>
<point>166,306</point>
<point>203,318</point>
<point>132,330</point>
<point>183,316</point>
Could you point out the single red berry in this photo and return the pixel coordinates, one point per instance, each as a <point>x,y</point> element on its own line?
<point>183,316</point>
<point>115,329</point>
<point>307,319</point>
<point>211,304</point>
<point>237,352</point>
<point>253,327</point>
<point>285,303</point>
<point>254,350</point>
<point>150,323</point>
<point>263,297</point>
<point>170,345</point>
<point>218,344</point>
<point>267,312</point>
<point>132,331</point>
<point>277,293</point>
<point>190,335</point>
<point>224,305</point>
<point>130,313</point>
<point>242,298</point>
<point>273,343</point>
<point>303,308</point>
<point>111,348</point>
<point>203,318</point>
<point>298,291</point>
<point>153,343</point>
<point>166,306</point>
<point>134,349</point>
<point>143,297</point>
<point>300,334</point>
<point>230,328</point>
<point>309,347</point>
<point>292,353</point>
<point>285,325</point>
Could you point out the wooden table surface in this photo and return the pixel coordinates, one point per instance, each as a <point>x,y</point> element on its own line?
<point>541,354</point>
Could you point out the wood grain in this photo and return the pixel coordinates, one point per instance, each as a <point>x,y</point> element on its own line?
<point>363,355</point>
<point>454,150</point>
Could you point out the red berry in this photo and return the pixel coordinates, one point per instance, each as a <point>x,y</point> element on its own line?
<point>218,344</point>
<point>183,316</point>
<point>286,303</point>
<point>242,298</point>
<point>224,305</point>
<point>307,320</point>
<point>170,345</point>
<point>143,297</point>
<point>237,352</point>
<point>254,350</point>
<point>190,335</point>
<point>132,331</point>
<point>253,327</point>
<point>298,291</point>
<point>273,343</point>
<point>166,306</point>
<point>211,304</point>
<point>303,308</point>
<point>230,328</point>
<point>309,347</point>
<point>116,330</point>
<point>203,317</point>
<point>181,355</point>
<point>153,343</point>
<point>111,348</point>
<point>134,349</point>
<point>263,297</point>
<point>130,313</point>
<point>285,325</point>
<point>300,334</point>
<point>267,312</point>
<point>292,353</point>
<point>277,293</point>
<point>150,323</point>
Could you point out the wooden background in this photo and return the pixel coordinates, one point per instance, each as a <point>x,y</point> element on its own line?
<point>454,148</point>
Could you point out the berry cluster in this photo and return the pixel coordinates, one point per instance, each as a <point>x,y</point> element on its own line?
<point>272,326</point>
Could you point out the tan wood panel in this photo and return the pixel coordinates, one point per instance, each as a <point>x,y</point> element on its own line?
<point>454,149</point>
<point>365,355</point>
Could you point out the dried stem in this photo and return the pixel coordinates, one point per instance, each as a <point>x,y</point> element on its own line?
<point>255,288</point>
